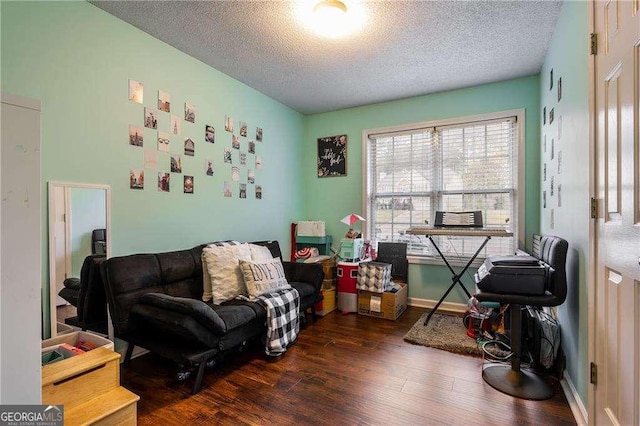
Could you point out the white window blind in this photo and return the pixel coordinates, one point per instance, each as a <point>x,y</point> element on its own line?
<point>462,167</point>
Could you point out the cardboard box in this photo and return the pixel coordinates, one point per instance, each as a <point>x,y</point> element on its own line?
<point>75,337</point>
<point>328,303</point>
<point>385,305</point>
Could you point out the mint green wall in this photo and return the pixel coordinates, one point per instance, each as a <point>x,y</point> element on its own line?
<point>77,60</point>
<point>88,212</point>
<point>330,199</point>
<point>568,57</point>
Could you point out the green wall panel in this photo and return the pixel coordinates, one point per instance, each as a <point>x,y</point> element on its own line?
<point>568,58</point>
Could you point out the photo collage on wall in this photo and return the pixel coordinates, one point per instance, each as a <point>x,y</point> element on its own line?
<point>242,158</point>
<point>552,166</point>
<point>175,141</point>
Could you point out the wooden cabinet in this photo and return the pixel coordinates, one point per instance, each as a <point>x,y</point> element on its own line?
<point>88,386</point>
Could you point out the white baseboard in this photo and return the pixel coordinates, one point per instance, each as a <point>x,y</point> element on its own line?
<point>575,403</point>
<point>445,306</point>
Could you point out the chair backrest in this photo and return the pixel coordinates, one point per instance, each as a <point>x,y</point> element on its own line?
<point>553,251</point>
<point>99,241</point>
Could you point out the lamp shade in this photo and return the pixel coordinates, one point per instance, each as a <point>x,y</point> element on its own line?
<point>352,218</point>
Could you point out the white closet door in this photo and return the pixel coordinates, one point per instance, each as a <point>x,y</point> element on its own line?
<point>20,252</point>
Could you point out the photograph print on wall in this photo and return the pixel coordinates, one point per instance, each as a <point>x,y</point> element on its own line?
<point>552,224</point>
<point>243,190</point>
<point>251,176</point>
<point>235,174</point>
<point>552,148</point>
<point>150,159</point>
<point>189,112</point>
<point>243,129</point>
<point>559,195</point>
<point>228,123</point>
<point>176,125</point>
<point>258,192</point>
<point>544,172</point>
<point>551,79</point>
<point>188,184</point>
<point>163,142</point>
<point>559,89</point>
<point>209,134</point>
<point>136,135</point>
<point>252,147</point>
<point>551,188</point>
<point>164,179</point>
<point>559,127</point>
<point>559,162</point>
<point>258,162</point>
<point>235,142</point>
<point>551,113</point>
<point>227,155</point>
<point>151,118</point>
<point>189,147</point>
<point>544,199</point>
<point>259,134</point>
<point>136,179</point>
<point>164,101</point>
<point>208,167</point>
<point>176,163</point>
<point>135,91</point>
<point>544,115</point>
<point>243,158</point>
<point>227,189</point>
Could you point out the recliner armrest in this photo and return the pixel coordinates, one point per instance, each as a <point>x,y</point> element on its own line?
<point>72,283</point>
<point>197,309</point>
<point>310,273</point>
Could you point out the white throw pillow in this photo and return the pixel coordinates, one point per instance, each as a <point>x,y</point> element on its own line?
<point>224,271</point>
<point>260,253</point>
<point>264,277</point>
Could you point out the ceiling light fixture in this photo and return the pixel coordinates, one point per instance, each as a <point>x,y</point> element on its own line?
<point>330,18</point>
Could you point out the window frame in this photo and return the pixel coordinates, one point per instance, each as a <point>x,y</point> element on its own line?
<point>519,190</point>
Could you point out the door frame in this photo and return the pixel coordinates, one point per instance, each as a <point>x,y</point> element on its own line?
<point>592,269</point>
<point>52,267</point>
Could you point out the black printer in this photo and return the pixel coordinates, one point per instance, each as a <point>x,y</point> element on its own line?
<point>515,274</point>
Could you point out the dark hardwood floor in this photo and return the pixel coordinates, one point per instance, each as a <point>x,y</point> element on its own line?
<point>344,369</point>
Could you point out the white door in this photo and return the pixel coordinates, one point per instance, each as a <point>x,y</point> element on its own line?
<point>617,281</point>
<point>20,251</point>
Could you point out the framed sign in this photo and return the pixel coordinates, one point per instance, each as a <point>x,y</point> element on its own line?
<point>332,156</point>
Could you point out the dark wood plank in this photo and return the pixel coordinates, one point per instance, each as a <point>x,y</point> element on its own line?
<point>344,369</point>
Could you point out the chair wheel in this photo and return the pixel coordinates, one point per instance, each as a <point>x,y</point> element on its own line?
<point>183,375</point>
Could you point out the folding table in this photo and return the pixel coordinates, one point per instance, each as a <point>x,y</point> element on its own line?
<point>430,231</point>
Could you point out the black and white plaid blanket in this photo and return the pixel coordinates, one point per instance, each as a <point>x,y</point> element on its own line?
<point>283,322</point>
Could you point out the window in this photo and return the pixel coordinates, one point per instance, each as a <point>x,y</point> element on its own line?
<point>460,165</point>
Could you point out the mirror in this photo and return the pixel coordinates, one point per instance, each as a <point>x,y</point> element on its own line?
<point>79,236</point>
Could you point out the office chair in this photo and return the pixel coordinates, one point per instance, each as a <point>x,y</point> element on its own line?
<point>510,379</point>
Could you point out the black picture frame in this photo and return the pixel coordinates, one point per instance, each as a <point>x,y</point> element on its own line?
<point>332,156</point>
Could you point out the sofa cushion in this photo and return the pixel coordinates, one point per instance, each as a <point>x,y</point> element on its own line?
<point>197,309</point>
<point>260,253</point>
<point>222,266</point>
<point>304,289</point>
<point>264,277</point>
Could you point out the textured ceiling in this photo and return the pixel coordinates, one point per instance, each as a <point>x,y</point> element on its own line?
<point>406,48</point>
